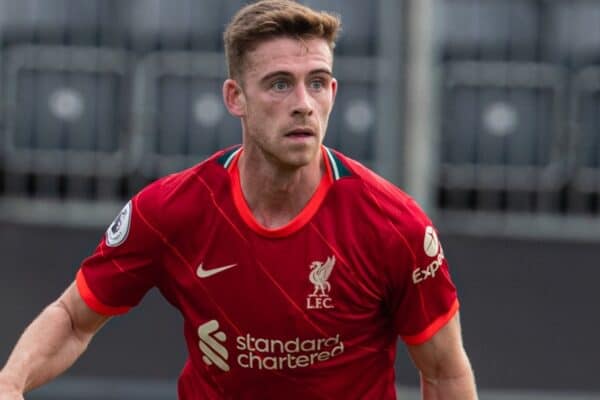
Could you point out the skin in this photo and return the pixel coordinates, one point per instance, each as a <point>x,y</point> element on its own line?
<point>443,365</point>
<point>283,99</point>
<point>51,344</point>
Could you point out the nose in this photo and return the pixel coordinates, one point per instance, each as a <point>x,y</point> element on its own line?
<point>302,102</point>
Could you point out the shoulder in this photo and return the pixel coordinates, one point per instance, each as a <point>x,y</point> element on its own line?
<point>398,216</point>
<point>367,186</point>
<point>176,196</point>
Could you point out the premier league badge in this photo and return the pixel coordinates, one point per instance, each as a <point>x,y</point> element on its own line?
<point>118,230</point>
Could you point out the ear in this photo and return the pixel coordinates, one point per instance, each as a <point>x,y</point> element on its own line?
<point>334,87</point>
<point>234,99</point>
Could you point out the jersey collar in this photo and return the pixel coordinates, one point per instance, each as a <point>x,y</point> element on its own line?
<point>301,219</point>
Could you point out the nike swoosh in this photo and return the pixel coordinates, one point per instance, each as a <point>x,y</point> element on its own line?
<point>205,273</point>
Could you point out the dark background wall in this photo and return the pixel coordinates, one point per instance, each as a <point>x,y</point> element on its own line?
<point>529,309</point>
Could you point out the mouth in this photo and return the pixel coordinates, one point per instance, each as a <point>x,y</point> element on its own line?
<point>300,133</point>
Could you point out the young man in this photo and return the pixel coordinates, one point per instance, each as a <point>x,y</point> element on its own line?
<point>294,267</point>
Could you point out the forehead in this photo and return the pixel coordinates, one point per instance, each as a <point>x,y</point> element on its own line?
<point>289,55</point>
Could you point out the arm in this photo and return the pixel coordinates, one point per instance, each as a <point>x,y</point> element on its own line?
<point>444,366</point>
<point>50,344</point>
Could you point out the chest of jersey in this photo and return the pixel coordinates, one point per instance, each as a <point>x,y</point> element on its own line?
<point>305,300</point>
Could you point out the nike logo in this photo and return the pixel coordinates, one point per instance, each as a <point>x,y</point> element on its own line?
<point>205,273</point>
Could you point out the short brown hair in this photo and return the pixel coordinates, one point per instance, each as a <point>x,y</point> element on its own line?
<point>268,19</point>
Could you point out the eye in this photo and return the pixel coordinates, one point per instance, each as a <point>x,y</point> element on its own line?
<point>280,85</point>
<point>317,84</point>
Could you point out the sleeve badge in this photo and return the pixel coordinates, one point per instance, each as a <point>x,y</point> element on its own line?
<point>119,229</point>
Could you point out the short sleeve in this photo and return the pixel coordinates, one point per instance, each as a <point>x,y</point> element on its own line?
<point>423,296</point>
<point>123,266</point>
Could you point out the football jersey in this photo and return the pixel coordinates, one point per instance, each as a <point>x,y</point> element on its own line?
<point>310,310</point>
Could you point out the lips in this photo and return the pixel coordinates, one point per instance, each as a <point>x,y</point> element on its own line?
<point>300,132</point>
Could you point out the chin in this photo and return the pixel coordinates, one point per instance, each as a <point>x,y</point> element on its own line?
<point>295,161</point>
<point>303,157</point>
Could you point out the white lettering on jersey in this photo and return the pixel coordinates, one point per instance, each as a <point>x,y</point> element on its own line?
<point>421,274</point>
<point>432,247</point>
<point>266,353</point>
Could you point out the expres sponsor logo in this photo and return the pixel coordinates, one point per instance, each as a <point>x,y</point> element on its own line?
<point>433,248</point>
<point>431,243</point>
<point>266,353</point>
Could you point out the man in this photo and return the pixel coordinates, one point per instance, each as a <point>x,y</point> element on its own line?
<point>294,267</point>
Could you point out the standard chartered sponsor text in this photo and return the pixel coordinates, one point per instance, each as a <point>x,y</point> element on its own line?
<point>276,354</point>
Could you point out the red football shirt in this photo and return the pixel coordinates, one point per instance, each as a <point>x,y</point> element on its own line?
<point>311,310</point>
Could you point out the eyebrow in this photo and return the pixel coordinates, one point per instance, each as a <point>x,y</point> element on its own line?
<point>286,73</point>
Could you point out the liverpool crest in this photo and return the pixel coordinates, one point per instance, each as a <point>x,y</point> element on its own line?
<point>319,276</point>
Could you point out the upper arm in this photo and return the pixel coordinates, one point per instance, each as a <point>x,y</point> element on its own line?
<point>85,321</point>
<point>126,263</point>
<point>443,355</point>
<point>421,295</point>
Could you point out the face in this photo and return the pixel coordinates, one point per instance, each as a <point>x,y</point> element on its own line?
<point>285,100</point>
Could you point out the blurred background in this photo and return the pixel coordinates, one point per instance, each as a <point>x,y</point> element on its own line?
<point>486,111</point>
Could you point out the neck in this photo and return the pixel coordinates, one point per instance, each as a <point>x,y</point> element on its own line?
<point>276,195</point>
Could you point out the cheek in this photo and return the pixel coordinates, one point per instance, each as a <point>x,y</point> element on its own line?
<point>326,105</point>
<point>260,118</point>
<point>255,113</point>
<point>262,107</point>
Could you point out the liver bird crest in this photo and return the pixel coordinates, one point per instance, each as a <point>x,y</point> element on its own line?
<point>319,275</point>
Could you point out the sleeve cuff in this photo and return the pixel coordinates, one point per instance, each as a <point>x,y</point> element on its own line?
<point>92,301</point>
<point>433,328</point>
